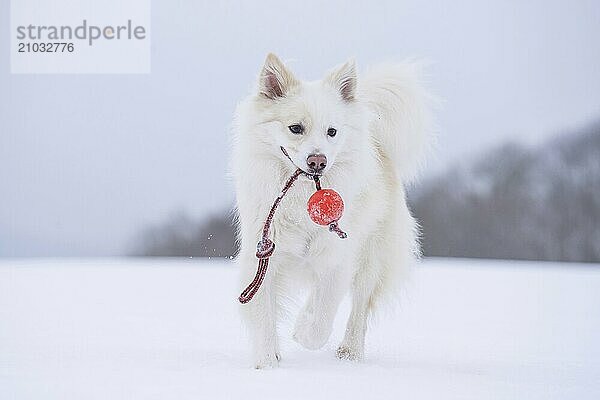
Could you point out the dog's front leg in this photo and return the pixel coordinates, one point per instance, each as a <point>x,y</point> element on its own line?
<point>260,316</point>
<point>315,321</point>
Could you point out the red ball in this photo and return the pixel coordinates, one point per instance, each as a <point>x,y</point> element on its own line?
<point>325,206</point>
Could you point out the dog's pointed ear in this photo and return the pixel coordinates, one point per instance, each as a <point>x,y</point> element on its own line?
<point>275,79</point>
<point>343,78</point>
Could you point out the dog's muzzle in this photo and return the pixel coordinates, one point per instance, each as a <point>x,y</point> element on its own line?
<point>314,171</point>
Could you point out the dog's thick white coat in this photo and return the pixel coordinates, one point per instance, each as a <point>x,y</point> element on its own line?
<point>383,125</point>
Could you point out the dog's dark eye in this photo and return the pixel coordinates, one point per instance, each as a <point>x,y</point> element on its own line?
<point>331,132</point>
<point>296,129</point>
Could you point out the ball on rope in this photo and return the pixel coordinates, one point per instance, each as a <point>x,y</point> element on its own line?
<point>325,206</point>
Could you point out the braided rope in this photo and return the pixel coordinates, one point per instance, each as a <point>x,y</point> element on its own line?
<point>266,247</point>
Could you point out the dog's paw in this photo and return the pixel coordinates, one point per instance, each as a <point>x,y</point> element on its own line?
<point>349,353</point>
<point>311,333</point>
<point>267,361</point>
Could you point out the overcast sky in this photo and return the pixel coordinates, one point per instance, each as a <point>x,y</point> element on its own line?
<point>88,160</point>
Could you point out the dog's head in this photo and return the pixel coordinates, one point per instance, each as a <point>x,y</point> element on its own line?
<point>313,122</point>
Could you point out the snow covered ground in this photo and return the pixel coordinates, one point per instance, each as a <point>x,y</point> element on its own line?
<point>168,329</point>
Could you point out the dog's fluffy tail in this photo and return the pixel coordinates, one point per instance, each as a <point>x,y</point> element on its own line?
<point>402,125</point>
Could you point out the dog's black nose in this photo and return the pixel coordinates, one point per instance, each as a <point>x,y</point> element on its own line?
<point>316,163</point>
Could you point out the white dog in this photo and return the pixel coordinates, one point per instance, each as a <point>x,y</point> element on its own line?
<point>364,136</point>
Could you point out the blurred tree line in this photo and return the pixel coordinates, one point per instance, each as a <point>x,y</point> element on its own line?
<point>181,235</point>
<point>515,202</point>
<point>539,203</point>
